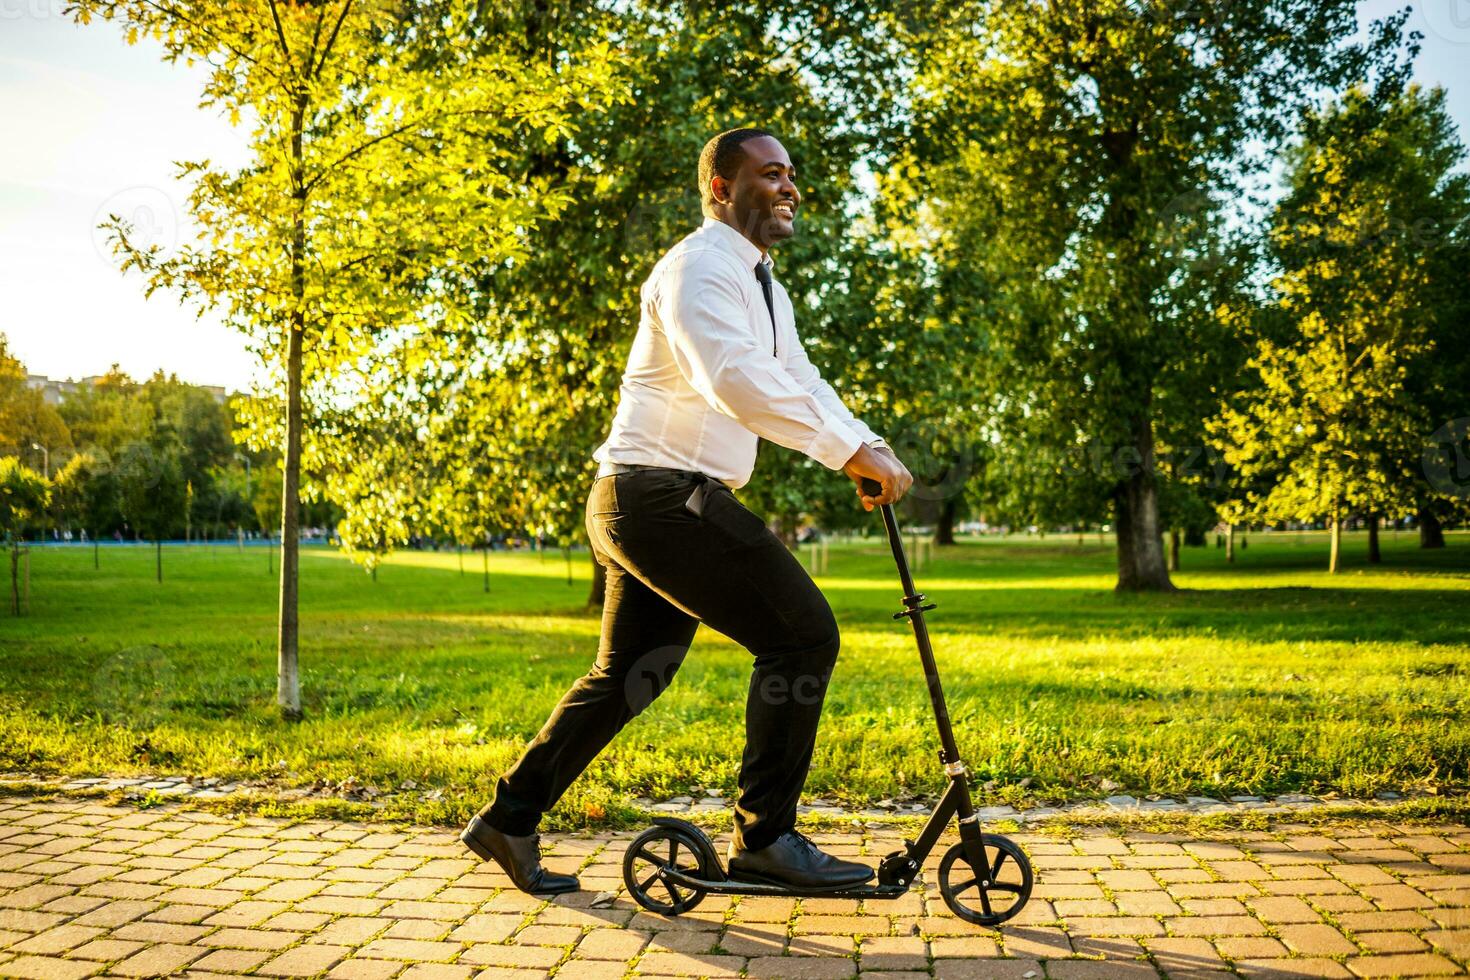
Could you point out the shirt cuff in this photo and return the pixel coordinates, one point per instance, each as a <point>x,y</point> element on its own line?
<point>834,445</point>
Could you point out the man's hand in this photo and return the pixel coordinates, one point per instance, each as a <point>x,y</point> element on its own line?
<point>881,465</point>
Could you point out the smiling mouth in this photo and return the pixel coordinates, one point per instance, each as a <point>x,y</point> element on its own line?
<point>785,210</point>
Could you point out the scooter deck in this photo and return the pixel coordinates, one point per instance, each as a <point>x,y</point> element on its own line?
<point>731,887</point>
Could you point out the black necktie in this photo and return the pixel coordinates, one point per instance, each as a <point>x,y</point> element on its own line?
<point>764,275</point>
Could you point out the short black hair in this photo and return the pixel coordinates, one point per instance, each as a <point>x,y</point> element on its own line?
<point>721,156</point>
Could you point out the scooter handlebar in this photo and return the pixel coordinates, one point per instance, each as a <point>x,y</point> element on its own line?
<point>872,487</point>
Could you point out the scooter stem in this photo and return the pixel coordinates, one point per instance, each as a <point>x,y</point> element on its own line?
<point>914,608</point>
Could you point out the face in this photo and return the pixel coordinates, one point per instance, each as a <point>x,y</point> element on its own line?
<point>761,201</point>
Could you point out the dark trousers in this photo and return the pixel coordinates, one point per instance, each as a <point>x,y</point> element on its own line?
<point>668,570</point>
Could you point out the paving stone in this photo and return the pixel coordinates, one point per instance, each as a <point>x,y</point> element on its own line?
<point>412,949</point>
<point>250,938</point>
<point>48,968</point>
<point>231,960</point>
<point>683,941</point>
<point>799,968</point>
<point>1282,910</point>
<point>1250,948</point>
<point>581,969</point>
<point>1318,940</point>
<point>988,970</point>
<point>1147,903</point>
<point>359,969</point>
<point>686,965</point>
<point>1284,969</point>
<point>894,952</point>
<point>1408,965</point>
<point>1095,970</point>
<point>1390,942</point>
<point>613,944</point>
<point>106,950</point>
<point>539,935</point>
<point>1214,925</point>
<point>1120,925</point>
<point>1110,948</point>
<point>1183,953</point>
<point>305,960</point>
<point>962,947</point>
<point>1383,921</point>
<point>57,940</point>
<point>840,925</point>
<point>442,971</point>
<point>159,932</point>
<point>159,960</point>
<point>1454,942</point>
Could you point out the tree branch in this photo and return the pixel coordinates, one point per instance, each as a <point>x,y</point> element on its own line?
<point>346,6</point>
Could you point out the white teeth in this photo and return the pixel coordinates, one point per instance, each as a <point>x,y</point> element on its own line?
<point>786,209</point>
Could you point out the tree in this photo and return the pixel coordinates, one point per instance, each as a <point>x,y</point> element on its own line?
<point>27,421</point>
<point>372,187</point>
<point>1071,148</point>
<point>152,491</point>
<point>511,409</point>
<point>24,494</point>
<point>1360,242</point>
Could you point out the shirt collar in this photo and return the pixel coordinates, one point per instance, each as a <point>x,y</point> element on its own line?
<point>744,250</point>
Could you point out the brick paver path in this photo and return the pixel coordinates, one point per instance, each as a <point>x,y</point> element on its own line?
<point>88,889</point>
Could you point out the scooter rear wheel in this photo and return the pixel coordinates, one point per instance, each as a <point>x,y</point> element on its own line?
<point>967,893</point>
<point>652,853</point>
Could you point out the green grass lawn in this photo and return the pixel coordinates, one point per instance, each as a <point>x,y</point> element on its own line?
<point>1262,677</point>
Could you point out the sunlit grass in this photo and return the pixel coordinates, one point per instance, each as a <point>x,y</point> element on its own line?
<point>1265,676</point>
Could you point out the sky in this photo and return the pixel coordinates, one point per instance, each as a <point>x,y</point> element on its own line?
<point>90,126</point>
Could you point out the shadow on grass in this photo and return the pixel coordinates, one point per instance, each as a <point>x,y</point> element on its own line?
<point>1425,617</point>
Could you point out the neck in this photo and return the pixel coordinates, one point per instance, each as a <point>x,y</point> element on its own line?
<point>727,216</point>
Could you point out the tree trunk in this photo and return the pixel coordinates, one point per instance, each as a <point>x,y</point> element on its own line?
<point>598,594</point>
<point>1140,544</point>
<point>486,562</point>
<point>288,683</point>
<point>14,579</point>
<point>1336,539</point>
<point>1375,557</point>
<point>1173,549</point>
<point>786,525</point>
<point>944,532</point>
<point>158,552</point>
<point>1431,532</point>
<point>1230,543</point>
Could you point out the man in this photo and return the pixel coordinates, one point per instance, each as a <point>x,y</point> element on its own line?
<point>715,365</point>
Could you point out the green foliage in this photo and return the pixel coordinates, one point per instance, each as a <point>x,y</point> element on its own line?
<point>26,420</point>
<point>1369,242</point>
<point>1074,160</point>
<point>24,495</point>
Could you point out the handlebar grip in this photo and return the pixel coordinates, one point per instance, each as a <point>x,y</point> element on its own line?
<point>872,487</point>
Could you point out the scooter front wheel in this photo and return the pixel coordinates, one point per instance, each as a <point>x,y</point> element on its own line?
<point>650,855</point>
<point>994,894</point>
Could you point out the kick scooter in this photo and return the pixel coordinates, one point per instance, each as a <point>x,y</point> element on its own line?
<point>984,878</point>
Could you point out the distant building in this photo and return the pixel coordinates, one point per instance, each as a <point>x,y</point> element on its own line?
<point>55,391</point>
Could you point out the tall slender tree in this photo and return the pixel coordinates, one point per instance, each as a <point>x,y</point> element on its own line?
<point>372,185</point>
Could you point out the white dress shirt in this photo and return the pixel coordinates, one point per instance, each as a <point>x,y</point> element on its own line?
<point>703,384</point>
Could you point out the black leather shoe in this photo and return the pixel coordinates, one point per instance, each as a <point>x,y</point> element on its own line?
<point>794,861</point>
<point>519,857</point>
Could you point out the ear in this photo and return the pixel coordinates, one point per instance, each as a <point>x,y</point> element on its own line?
<point>720,189</point>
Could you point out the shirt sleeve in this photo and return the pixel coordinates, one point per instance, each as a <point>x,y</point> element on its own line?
<point>805,373</point>
<point>704,317</point>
